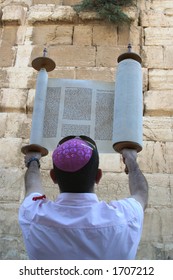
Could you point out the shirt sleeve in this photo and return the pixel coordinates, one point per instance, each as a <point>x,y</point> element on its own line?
<point>28,208</point>
<point>131,215</point>
<point>131,210</point>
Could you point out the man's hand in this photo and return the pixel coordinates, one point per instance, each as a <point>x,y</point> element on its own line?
<point>30,155</point>
<point>129,159</point>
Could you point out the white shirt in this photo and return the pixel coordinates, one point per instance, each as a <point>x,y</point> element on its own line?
<point>79,226</point>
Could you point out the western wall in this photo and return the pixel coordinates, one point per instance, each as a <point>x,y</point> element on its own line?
<point>86,47</point>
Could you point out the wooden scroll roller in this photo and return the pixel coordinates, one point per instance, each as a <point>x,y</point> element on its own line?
<point>128,106</point>
<point>42,65</point>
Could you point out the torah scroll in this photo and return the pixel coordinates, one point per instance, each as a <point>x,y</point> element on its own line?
<point>128,105</point>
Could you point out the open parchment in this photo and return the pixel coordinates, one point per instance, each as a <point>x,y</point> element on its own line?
<point>79,107</point>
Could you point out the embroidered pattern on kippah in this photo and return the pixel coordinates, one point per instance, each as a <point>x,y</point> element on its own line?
<point>72,155</point>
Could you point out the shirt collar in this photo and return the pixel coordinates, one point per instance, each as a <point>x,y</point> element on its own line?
<point>77,198</point>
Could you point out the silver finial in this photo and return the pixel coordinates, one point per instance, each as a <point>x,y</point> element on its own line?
<point>129,48</point>
<point>44,52</point>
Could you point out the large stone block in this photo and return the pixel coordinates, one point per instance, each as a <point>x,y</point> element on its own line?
<point>152,251</point>
<point>105,35</point>
<point>45,13</point>
<point>79,38</point>
<point>7,56</point>
<point>160,5</point>
<point>12,248</point>
<point>155,36</point>
<point>7,48</point>
<point>158,103</point>
<point>9,220</point>
<point>153,57</point>
<point>156,157</point>
<point>88,16</point>
<point>9,36</point>
<point>111,162</point>
<point>64,13</point>
<point>135,35</point>
<point>112,186</point>
<point>46,164</point>
<point>160,79</point>
<point>166,223</point>
<point>152,226</point>
<point>168,58</point>
<point>115,186</point>
<point>10,186</point>
<point>63,73</point>
<point>159,190</point>
<point>21,77</point>
<point>13,100</point>
<point>145,251</point>
<point>159,251</point>
<point>155,18</point>
<point>107,56</point>
<point>132,12</point>
<point>157,57</point>
<point>23,56</point>
<point>96,73</point>
<point>126,34</point>
<point>15,125</point>
<point>73,56</point>
<point>18,125</point>
<point>158,129</point>
<point>123,34</point>
<point>14,14</point>
<point>52,35</point>
<point>12,147</point>
<point>40,13</point>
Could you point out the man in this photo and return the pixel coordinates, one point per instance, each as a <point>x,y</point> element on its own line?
<point>77,225</point>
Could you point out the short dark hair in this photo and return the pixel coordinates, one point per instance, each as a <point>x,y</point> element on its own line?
<point>81,181</point>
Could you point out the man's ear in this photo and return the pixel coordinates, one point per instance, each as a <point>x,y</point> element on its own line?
<point>98,176</point>
<point>53,177</point>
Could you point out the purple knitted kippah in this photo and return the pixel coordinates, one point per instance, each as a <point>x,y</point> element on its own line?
<point>72,155</point>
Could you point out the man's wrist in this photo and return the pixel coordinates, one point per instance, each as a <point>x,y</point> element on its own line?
<point>32,159</point>
<point>132,166</point>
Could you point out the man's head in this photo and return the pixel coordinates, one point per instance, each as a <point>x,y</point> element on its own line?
<point>75,162</point>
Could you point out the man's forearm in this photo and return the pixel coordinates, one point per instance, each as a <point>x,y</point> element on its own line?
<point>33,179</point>
<point>138,185</point>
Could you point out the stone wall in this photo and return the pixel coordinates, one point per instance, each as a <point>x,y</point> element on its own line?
<point>85,47</point>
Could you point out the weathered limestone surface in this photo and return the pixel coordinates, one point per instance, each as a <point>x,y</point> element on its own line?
<point>40,13</point>
<point>158,129</point>
<point>14,14</point>
<point>85,47</point>
<point>53,35</point>
<point>158,103</point>
<point>158,36</point>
